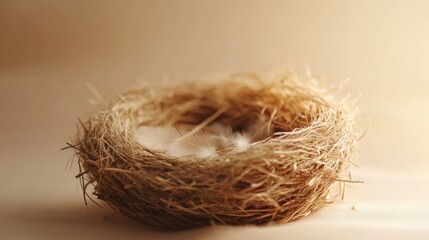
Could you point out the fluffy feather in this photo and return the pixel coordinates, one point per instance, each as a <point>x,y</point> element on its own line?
<point>206,143</point>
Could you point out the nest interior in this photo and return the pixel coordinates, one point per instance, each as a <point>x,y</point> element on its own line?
<point>280,178</point>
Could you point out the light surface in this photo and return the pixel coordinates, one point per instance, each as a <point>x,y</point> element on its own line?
<point>49,50</point>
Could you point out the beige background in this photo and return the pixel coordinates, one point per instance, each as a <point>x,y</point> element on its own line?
<point>49,50</point>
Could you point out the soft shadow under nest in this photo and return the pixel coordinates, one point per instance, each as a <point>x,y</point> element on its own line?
<point>280,178</point>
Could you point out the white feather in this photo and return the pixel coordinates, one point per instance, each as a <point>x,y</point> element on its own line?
<point>165,139</point>
<point>240,142</point>
<point>205,143</point>
<point>207,152</point>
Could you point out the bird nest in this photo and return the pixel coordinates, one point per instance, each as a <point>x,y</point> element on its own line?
<point>290,143</point>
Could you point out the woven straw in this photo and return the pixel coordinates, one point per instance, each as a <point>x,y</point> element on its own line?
<point>280,178</point>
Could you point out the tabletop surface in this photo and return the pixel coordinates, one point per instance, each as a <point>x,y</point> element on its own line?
<point>52,51</point>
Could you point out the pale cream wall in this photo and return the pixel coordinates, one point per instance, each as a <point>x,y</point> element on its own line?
<point>50,49</point>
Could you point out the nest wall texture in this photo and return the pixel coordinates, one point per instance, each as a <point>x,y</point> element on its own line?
<point>281,178</point>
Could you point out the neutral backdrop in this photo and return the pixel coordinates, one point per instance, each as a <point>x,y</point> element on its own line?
<point>51,50</point>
